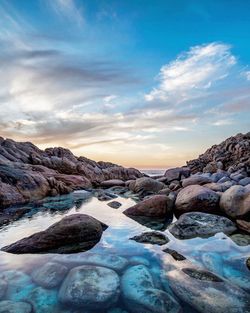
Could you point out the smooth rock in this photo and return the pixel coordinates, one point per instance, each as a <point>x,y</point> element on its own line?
<point>154,238</point>
<point>111,261</point>
<point>176,173</point>
<point>91,287</point>
<point>243,225</point>
<point>197,224</point>
<point>155,206</point>
<point>114,204</point>
<point>241,239</point>
<point>176,255</point>
<point>245,181</point>
<point>207,292</point>
<point>235,201</point>
<point>50,275</point>
<point>145,184</point>
<point>196,198</point>
<point>77,232</point>
<point>15,307</point>
<point>43,300</point>
<point>139,293</point>
<point>195,180</point>
<point>112,182</point>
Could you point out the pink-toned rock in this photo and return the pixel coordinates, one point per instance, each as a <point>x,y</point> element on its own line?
<point>155,206</point>
<point>195,180</point>
<point>196,198</point>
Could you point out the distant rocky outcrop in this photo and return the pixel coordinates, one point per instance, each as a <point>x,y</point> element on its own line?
<point>28,173</point>
<point>231,155</point>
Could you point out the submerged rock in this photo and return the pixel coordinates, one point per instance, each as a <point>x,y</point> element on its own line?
<point>111,261</point>
<point>3,287</point>
<point>15,307</point>
<point>43,300</point>
<point>207,292</point>
<point>49,275</point>
<point>235,201</point>
<point>91,287</point>
<point>140,295</point>
<point>77,232</point>
<point>154,238</point>
<point>197,224</point>
<point>114,204</point>
<point>155,206</point>
<point>176,255</point>
<point>196,198</point>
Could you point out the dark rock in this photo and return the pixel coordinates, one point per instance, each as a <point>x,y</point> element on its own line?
<point>155,206</point>
<point>145,184</point>
<point>241,239</point>
<point>197,198</point>
<point>195,180</point>
<point>154,238</point>
<point>90,287</point>
<point>112,182</point>
<point>176,173</point>
<point>77,232</point>
<point>243,225</point>
<point>197,224</point>
<point>177,256</point>
<point>114,204</point>
<point>15,307</point>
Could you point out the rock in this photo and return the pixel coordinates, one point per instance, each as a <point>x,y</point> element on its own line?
<point>213,261</point>
<point>77,232</point>
<point>237,176</point>
<point>114,204</point>
<point>15,307</point>
<point>112,261</point>
<point>43,300</point>
<point>248,263</point>
<point>241,239</point>
<point>50,275</point>
<point>197,224</point>
<point>195,180</point>
<point>176,173</point>
<point>140,295</point>
<point>90,287</point>
<point>196,198</point>
<point>243,225</point>
<point>3,288</point>
<point>154,238</point>
<point>207,292</point>
<point>104,195</point>
<point>155,206</point>
<point>245,181</point>
<point>112,182</point>
<point>116,310</point>
<point>177,256</point>
<point>139,260</point>
<point>235,201</point>
<point>146,184</point>
<point>217,187</point>
<point>164,191</point>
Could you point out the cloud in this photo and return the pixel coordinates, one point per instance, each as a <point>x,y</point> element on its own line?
<point>68,9</point>
<point>224,122</point>
<point>192,73</point>
<point>246,74</point>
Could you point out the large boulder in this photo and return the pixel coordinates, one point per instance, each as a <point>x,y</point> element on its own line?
<point>235,201</point>
<point>140,295</point>
<point>196,180</point>
<point>112,182</point>
<point>146,184</point>
<point>155,206</point>
<point>152,237</point>
<point>206,292</point>
<point>91,287</point>
<point>77,232</point>
<point>176,173</point>
<point>196,198</point>
<point>197,224</point>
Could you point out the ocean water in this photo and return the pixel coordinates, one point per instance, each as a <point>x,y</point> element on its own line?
<point>218,254</point>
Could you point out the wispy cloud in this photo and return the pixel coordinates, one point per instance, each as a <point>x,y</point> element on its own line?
<point>192,72</point>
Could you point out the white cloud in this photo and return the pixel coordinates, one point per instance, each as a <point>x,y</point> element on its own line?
<point>68,9</point>
<point>193,72</point>
<point>223,122</point>
<point>246,74</point>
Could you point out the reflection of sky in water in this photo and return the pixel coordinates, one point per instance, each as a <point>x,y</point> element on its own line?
<point>218,253</point>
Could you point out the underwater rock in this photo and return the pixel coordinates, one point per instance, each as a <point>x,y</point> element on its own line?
<point>117,310</point>
<point>241,239</point>
<point>213,262</point>
<point>43,300</point>
<point>137,259</point>
<point>235,201</point>
<point>111,261</point>
<point>139,293</point>
<point>77,232</point>
<point>154,238</point>
<point>103,195</point>
<point>237,276</point>
<point>3,287</point>
<point>155,206</point>
<point>15,307</point>
<point>90,286</point>
<point>114,204</point>
<point>49,275</point>
<point>176,255</point>
<point>19,284</point>
<point>207,292</point>
<point>196,198</point>
<point>197,224</point>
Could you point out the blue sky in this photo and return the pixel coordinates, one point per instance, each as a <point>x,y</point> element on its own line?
<point>141,83</point>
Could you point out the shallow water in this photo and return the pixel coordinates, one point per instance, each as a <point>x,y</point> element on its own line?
<point>218,253</point>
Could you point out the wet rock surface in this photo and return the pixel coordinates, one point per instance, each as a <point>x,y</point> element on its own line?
<point>77,232</point>
<point>154,238</point>
<point>15,307</point>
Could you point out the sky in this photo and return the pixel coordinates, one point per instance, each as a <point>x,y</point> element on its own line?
<point>142,83</point>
